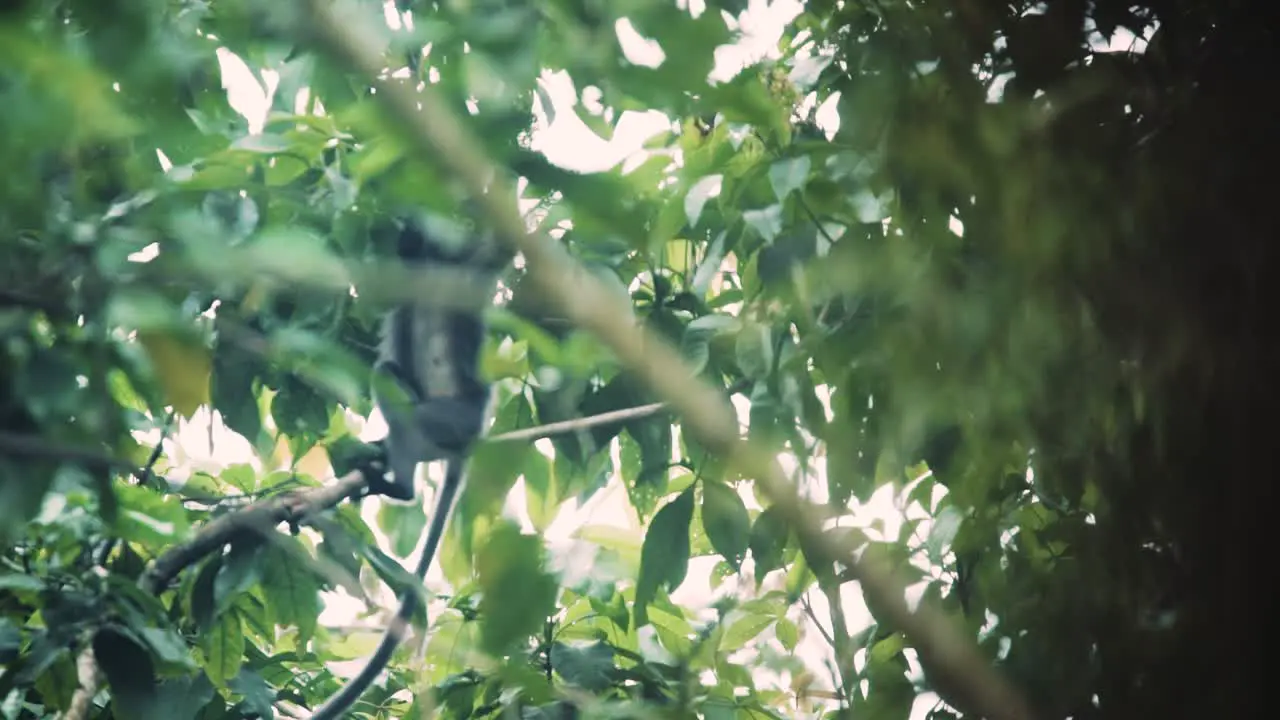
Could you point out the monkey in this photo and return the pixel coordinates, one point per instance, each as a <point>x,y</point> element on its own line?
<point>427,385</point>
<point>426,378</point>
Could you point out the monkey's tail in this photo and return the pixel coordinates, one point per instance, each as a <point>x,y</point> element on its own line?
<point>339,702</point>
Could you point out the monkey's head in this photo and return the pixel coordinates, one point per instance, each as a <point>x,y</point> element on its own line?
<point>434,238</point>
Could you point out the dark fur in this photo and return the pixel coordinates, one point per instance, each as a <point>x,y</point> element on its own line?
<point>431,356</point>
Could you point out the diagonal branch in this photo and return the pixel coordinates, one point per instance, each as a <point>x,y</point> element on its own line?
<point>438,134</point>
<point>255,517</point>
<point>36,446</point>
<point>291,507</point>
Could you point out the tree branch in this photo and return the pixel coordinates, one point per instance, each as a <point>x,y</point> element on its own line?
<point>148,470</point>
<point>582,423</point>
<point>34,446</point>
<point>590,421</point>
<point>293,507</point>
<point>589,304</point>
<point>846,675</point>
<point>16,298</point>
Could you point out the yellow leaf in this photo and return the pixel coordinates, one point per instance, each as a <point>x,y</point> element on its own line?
<point>255,296</point>
<point>281,455</point>
<point>315,463</point>
<point>183,368</point>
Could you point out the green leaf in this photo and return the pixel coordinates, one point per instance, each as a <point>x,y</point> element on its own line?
<point>329,370</point>
<point>617,394</point>
<point>389,571</point>
<point>10,641</point>
<point>541,492</point>
<point>695,345</point>
<point>145,311</point>
<point>347,454</point>
<point>202,603</point>
<point>590,667</point>
<point>767,221</point>
<point>943,530</point>
<point>239,572</point>
<point>788,175</point>
<point>510,568</point>
<point>179,698</point>
<point>768,540</point>
<point>886,649</point>
<point>403,523</point>
<point>43,653</point>
<point>259,697</point>
<point>719,573</point>
<point>241,476</point>
<point>697,197</point>
<point>711,265</point>
<point>720,709</point>
<point>492,471</point>
<point>232,390</point>
<point>264,143</point>
<point>800,577</point>
<point>300,412</point>
<point>167,645</point>
<point>754,351</point>
<point>291,587</point>
<point>183,366</point>
<point>223,647</point>
<point>127,665</point>
<point>289,252</point>
<point>149,519</point>
<point>653,435</point>
<point>664,557</point>
<point>725,519</point>
<point>851,465</point>
<point>14,582</point>
<point>59,683</point>
<point>788,634</point>
<point>743,629</point>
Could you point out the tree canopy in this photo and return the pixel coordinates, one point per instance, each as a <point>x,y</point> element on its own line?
<point>933,342</point>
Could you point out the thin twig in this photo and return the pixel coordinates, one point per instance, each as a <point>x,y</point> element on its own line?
<point>845,674</point>
<point>144,479</point>
<point>808,609</point>
<point>148,470</point>
<point>582,423</point>
<point>573,425</point>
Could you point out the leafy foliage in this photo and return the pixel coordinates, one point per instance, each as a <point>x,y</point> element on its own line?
<point>989,276</point>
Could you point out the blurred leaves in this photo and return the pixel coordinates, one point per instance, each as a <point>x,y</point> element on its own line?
<point>950,266</point>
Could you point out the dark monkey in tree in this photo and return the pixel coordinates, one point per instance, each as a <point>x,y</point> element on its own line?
<point>428,387</point>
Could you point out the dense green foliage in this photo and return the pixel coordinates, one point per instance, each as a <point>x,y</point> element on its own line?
<point>1017,287</point>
